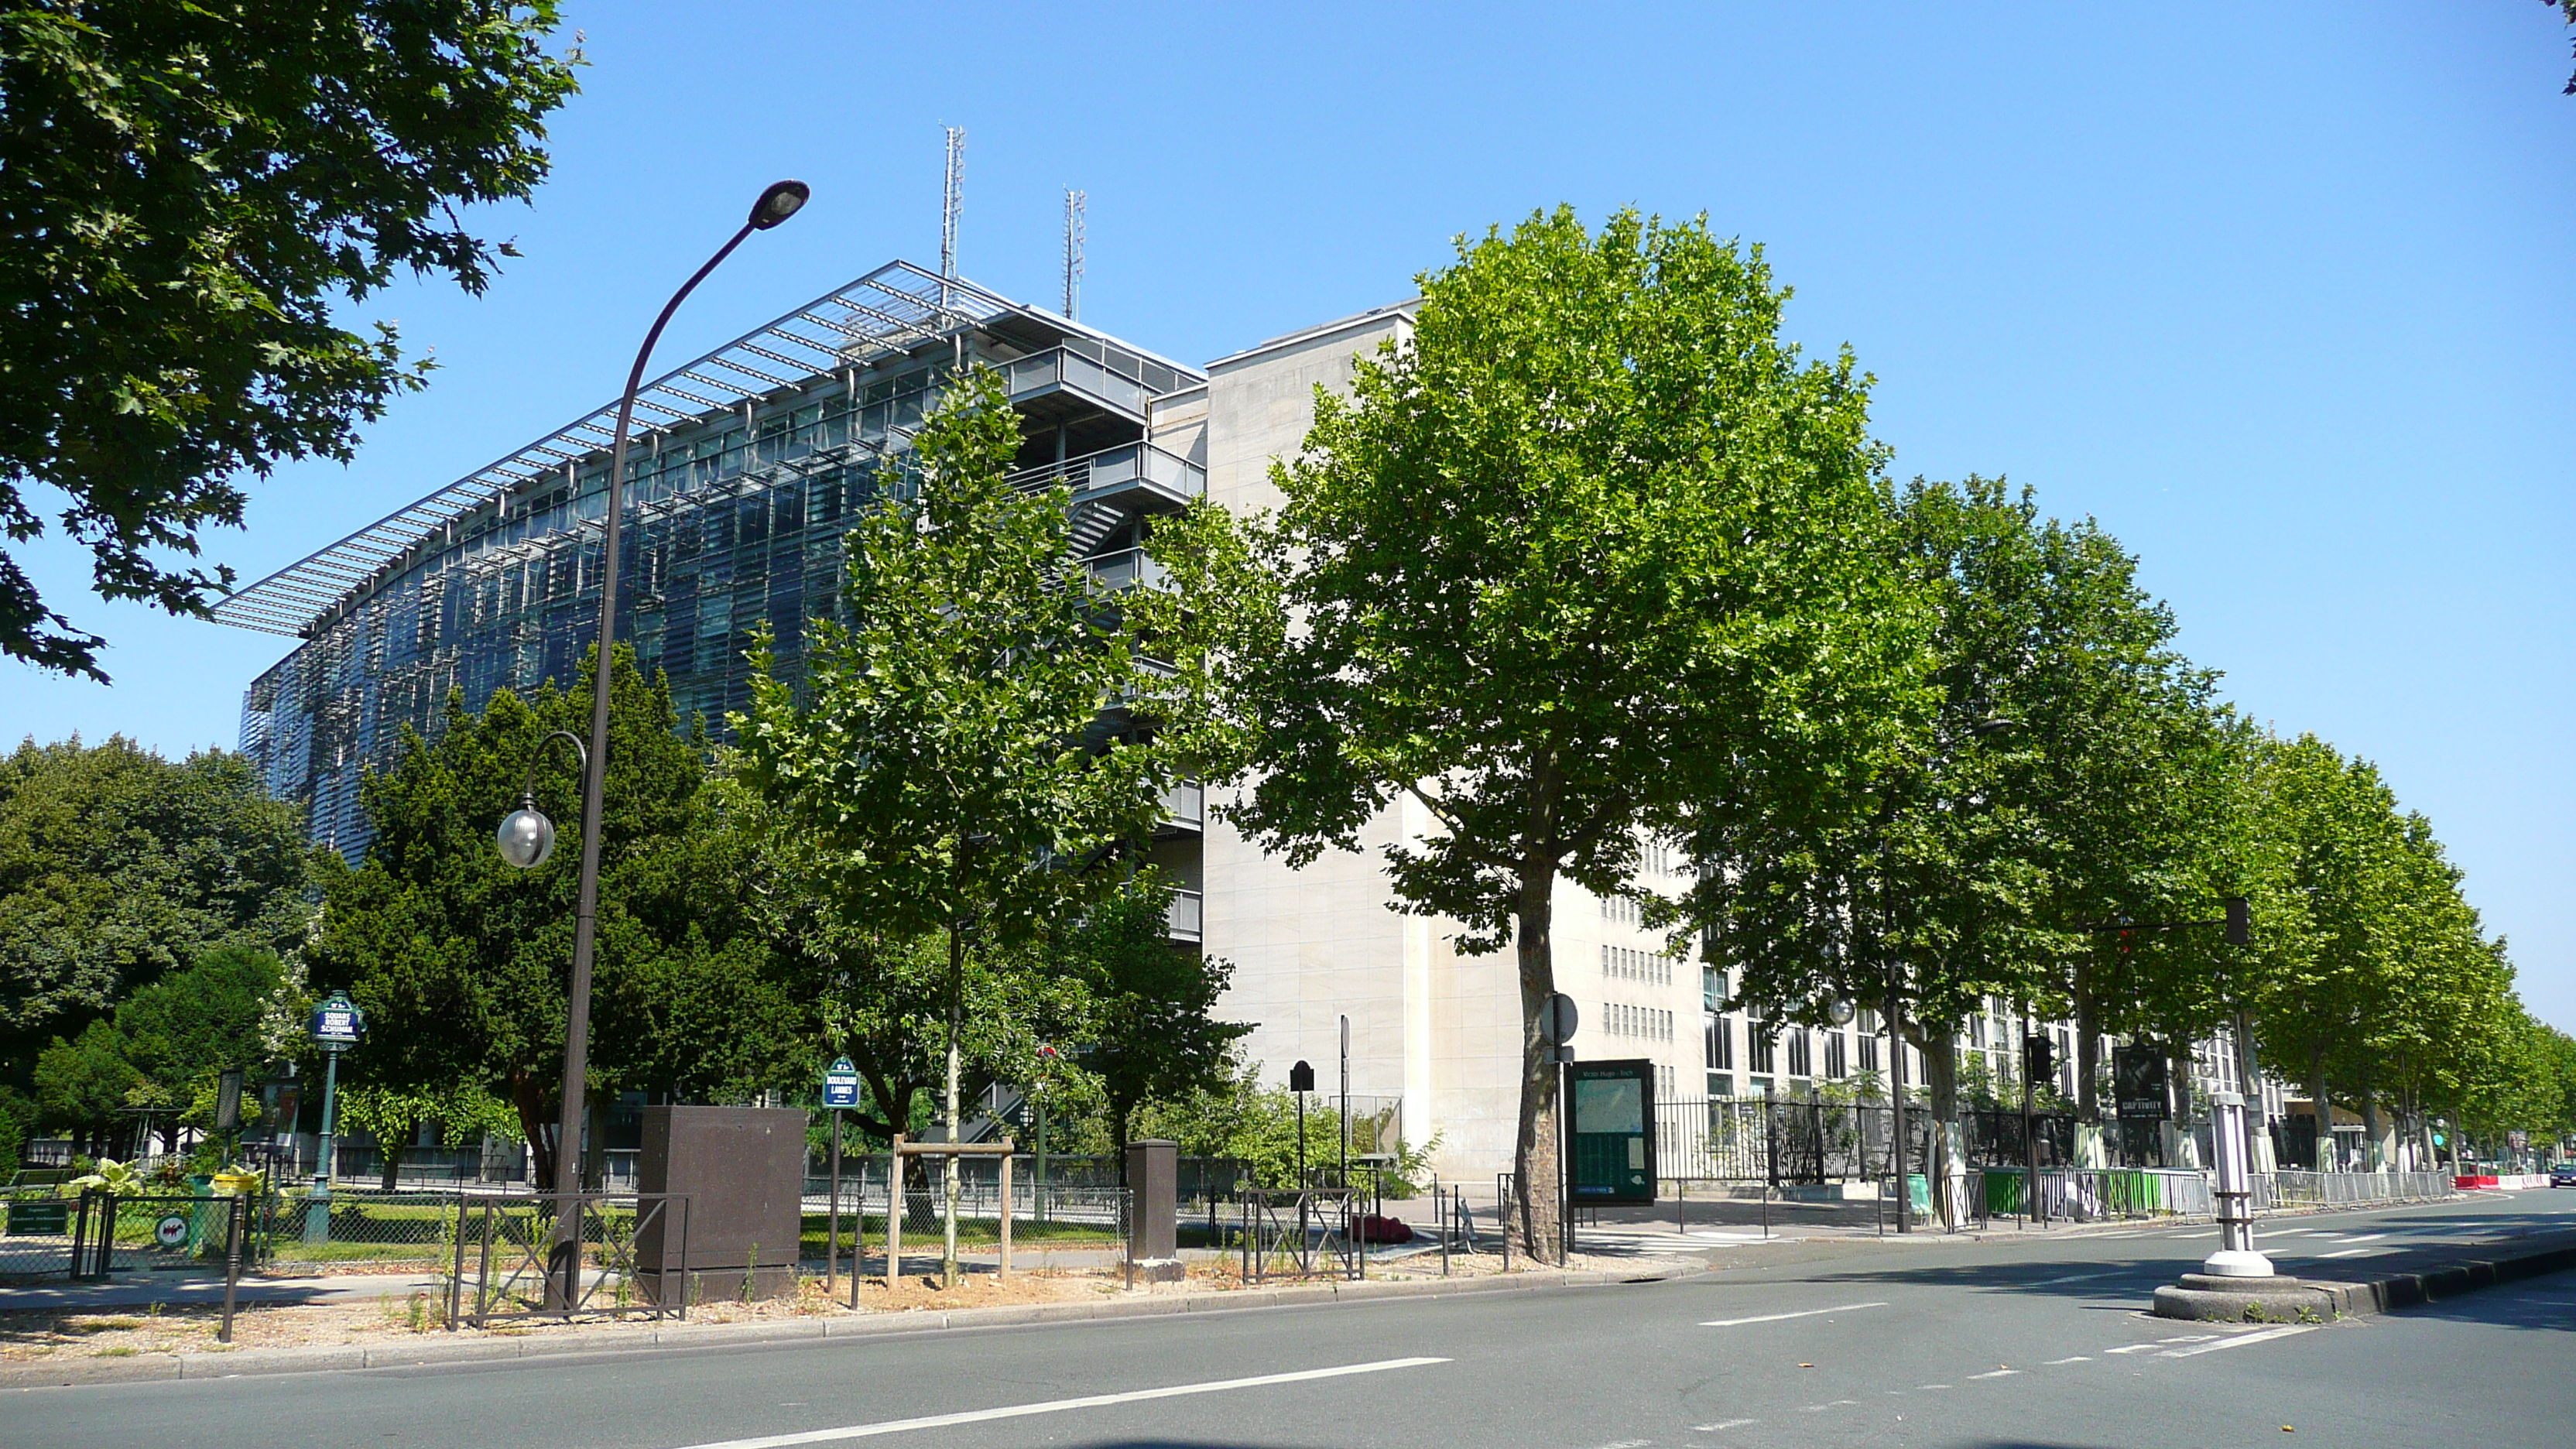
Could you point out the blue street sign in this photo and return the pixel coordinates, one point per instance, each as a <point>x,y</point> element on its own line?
<point>841,1084</point>
<point>338,1022</point>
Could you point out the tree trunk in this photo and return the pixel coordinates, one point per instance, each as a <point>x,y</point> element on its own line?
<point>1536,1169</point>
<point>2369,1125</point>
<point>537,1118</point>
<point>2088,1049</point>
<point>949,1182</point>
<point>1940,1045</point>
<point>2325,1112</point>
<point>393,1155</point>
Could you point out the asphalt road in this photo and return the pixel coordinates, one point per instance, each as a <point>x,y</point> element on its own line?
<point>2037,1342</point>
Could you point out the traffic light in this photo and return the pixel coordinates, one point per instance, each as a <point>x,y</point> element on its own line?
<point>2240,922</point>
<point>2038,1058</point>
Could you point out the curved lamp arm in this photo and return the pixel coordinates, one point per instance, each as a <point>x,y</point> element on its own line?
<point>528,783</point>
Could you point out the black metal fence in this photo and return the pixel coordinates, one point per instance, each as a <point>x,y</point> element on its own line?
<point>1779,1140</point>
<point>626,1254</point>
<point>1299,1234</point>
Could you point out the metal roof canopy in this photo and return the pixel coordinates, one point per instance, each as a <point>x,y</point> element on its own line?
<point>895,307</point>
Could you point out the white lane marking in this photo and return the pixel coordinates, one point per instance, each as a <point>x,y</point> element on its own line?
<point>1628,1444</point>
<point>2078,1358</point>
<point>2349,1253</point>
<point>1777,1317</point>
<point>1056,1406</point>
<point>1722,1424</point>
<point>1996,1374</point>
<point>2188,1338</point>
<point>2238,1342</point>
<point>2134,1348</point>
<point>1820,1408</point>
<point>2366,1238</point>
<point>2089,1277</point>
<point>1936,1386</point>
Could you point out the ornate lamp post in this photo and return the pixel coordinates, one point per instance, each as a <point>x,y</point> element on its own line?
<point>527,837</point>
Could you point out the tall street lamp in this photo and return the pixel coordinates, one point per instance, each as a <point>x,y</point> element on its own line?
<point>527,837</point>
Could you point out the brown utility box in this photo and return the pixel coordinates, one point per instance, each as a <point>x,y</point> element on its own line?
<point>742,1170</point>
<point>1153,1177</point>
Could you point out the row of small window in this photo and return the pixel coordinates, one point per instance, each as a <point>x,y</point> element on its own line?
<point>1622,910</point>
<point>1643,1022</point>
<point>1633,965</point>
<point>1718,1050</point>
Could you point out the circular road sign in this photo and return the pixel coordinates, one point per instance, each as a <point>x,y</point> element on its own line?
<point>171,1231</point>
<point>1557,1020</point>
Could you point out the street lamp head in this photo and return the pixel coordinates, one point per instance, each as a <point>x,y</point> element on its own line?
<point>527,837</point>
<point>782,200</point>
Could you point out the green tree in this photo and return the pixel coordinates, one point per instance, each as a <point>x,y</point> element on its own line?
<point>952,767</point>
<point>192,195</point>
<point>118,866</point>
<point>184,1030</point>
<point>883,998</point>
<point>86,1083</point>
<point>1594,549</point>
<point>394,1117</point>
<point>2057,779</point>
<point>1153,1033</point>
<point>462,962</point>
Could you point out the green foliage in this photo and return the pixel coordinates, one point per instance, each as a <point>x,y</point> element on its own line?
<point>1593,555</point>
<point>118,866</point>
<point>1152,1034</point>
<point>952,735</point>
<point>17,1119</point>
<point>86,1082</point>
<point>194,192</point>
<point>462,962</point>
<point>2067,771</point>
<point>882,998</point>
<point>1237,1117</point>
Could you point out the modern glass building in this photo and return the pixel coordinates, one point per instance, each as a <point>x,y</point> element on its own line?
<point>745,471</point>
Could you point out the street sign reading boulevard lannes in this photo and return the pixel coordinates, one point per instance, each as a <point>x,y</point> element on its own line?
<point>2138,1083</point>
<point>841,1084</point>
<point>1611,1111</point>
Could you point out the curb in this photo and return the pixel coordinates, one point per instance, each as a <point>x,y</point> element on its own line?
<point>436,1349</point>
<point>2377,1295</point>
<point>2409,1290</point>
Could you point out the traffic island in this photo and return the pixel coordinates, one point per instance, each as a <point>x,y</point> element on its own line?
<point>2218,1298</point>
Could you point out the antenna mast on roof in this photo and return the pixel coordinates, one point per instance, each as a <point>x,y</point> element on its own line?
<point>1073,202</point>
<point>949,199</point>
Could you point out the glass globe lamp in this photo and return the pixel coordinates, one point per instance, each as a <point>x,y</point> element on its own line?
<point>527,837</point>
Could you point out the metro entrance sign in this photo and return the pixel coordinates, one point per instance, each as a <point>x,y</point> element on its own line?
<point>841,1084</point>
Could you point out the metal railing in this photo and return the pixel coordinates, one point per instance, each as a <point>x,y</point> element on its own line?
<point>1093,473</point>
<point>1125,568</point>
<point>1782,1141</point>
<point>2094,1194</point>
<point>1184,917</point>
<point>2334,1189</point>
<point>628,1254</point>
<point>1299,1234</point>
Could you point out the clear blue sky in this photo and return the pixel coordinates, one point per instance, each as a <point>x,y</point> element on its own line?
<point>2282,295</point>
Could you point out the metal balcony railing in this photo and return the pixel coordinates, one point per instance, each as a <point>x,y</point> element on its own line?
<point>1094,474</point>
<point>1184,916</point>
<point>1120,568</point>
<point>1121,383</point>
